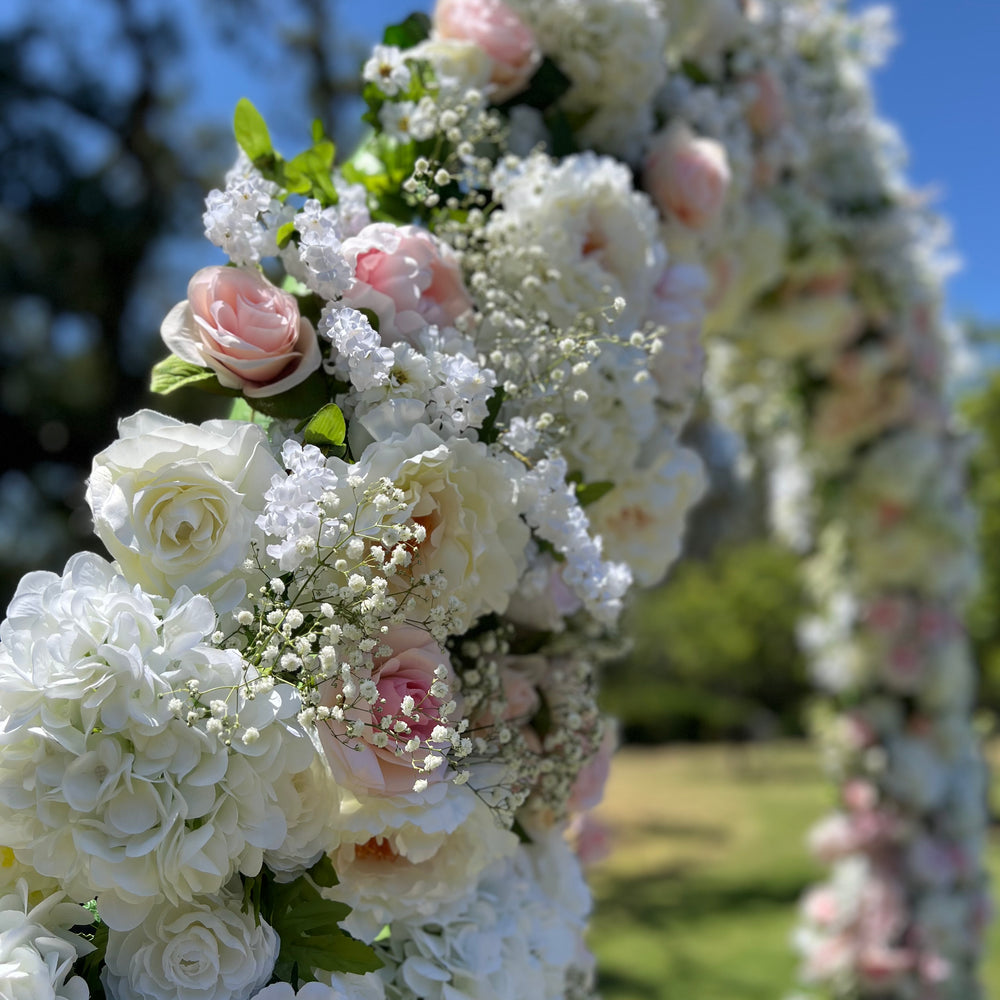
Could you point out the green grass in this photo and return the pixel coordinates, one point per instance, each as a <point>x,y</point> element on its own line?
<point>697,901</point>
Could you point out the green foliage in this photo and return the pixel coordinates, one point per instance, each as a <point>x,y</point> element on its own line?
<point>89,966</point>
<point>715,653</point>
<point>174,373</point>
<point>588,493</point>
<point>489,432</point>
<point>544,89</point>
<point>307,174</point>
<point>307,925</point>
<point>415,29</point>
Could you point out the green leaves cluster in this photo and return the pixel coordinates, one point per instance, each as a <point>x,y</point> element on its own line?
<point>307,925</point>
<point>308,174</point>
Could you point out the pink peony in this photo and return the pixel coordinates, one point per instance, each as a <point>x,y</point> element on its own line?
<point>245,329</point>
<point>687,176</point>
<point>409,671</point>
<point>496,29</point>
<point>409,279</point>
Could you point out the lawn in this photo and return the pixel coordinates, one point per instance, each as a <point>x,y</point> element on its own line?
<point>697,902</point>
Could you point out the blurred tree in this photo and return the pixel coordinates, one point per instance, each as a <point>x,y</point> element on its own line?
<point>981,408</point>
<point>715,654</point>
<point>103,168</point>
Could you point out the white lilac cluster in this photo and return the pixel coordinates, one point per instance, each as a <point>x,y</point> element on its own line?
<point>827,340</point>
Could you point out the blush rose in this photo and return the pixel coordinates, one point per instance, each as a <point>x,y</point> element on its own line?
<point>245,329</point>
<point>496,29</point>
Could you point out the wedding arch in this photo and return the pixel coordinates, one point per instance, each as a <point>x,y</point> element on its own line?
<point>326,727</point>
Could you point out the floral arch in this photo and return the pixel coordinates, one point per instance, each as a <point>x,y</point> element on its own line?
<point>326,727</point>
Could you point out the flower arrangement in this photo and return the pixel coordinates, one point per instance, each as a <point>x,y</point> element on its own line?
<point>327,725</point>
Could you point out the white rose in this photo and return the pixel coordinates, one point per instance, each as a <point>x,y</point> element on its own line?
<point>37,951</point>
<point>175,503</point>
<point>211,950</point>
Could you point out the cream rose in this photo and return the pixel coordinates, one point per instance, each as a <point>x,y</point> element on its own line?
<point>176,503</point>
<point>495,28</point>
<point>245,329</point>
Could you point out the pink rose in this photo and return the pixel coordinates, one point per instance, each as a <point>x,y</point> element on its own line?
<point>407,278</point>
<point>243,328</point>
<point>588,789</point>
<point>687,176</point>
<point>410,671</point>
<point>769,109</point>
<point>496,29</point>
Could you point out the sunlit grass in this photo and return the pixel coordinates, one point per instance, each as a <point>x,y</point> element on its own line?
<point>697,902</point>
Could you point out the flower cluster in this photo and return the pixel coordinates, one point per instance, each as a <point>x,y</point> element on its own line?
<point>330,719</point>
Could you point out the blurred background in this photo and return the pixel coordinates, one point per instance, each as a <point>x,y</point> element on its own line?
<point>115,120</point>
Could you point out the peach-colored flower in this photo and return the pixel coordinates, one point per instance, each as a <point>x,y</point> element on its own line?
<point>245,329</point>
<point>407,277</point>
<point>687,176</point>
<point>496,29</point>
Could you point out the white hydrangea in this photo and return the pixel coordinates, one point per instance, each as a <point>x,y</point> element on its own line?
<point>554,512</point>
<point>511,940</point>
<point>336,986</point>
<point>325,269</point>
<point>359,356</point>
<point>101,785</point>
<point>37,949</point>
<point>209,948</point>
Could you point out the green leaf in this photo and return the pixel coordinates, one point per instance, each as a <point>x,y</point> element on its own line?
<point>307,926</point>
<point>309,173</point>
<point>323,873</point>
<point>242,410</point>
<point>175,373</point>
<point>415,29</point>
<point>251,131</point>
<point>284,234</point>
<point>89,966</point>
<point>299,402</point>
<point>544,89</point>
<point>489,432</point>
<point>588,493</point>
<point>327,428</point>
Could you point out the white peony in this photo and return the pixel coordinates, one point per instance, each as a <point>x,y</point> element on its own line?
<point>208,949</point>
<point>382,881</point>
<point>466,498</point>
<point>594,230</point>
<point>175,503</point>
<point>641,521</point>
